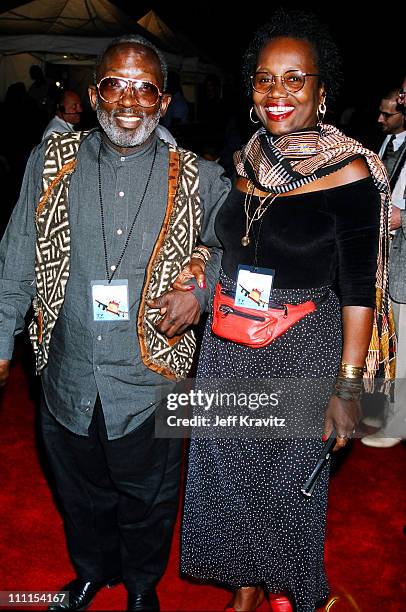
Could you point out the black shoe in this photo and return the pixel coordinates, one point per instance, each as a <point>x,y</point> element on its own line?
<point>81,593</point>
<point>146,601</point>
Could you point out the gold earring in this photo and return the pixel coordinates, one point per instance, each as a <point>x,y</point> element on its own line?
<point>321,111</point>
<point>251,109</point>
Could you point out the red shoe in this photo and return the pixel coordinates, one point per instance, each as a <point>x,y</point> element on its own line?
<point>279,603</point>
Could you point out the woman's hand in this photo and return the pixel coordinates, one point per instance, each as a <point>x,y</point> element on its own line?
<point>342,415</point>
<point>194,269</point>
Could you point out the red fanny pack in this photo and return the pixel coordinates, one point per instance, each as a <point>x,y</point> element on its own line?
<point>252,327</point>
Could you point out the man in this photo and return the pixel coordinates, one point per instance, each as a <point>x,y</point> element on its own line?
<point>393,154</point>
<point>67,116</point>
<point>402,94</point>
<point>109,332</point>
<point>178,110</point>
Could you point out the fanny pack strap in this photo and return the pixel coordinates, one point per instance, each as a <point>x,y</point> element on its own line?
<point>322,299</point>
<point>275,304</point>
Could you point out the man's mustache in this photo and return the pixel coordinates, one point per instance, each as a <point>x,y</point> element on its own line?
<point>127,111</point>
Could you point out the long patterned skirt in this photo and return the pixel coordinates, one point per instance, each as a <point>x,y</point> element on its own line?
<point>245,520</point>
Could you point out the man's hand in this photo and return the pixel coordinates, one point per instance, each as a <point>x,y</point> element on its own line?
<point>4,371</point>
<point>396,219</point>
<point>179,309</point>
<point>343,416</point>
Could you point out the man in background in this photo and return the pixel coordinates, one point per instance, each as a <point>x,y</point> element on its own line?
<point>393,154</point>
<point>67,116</point>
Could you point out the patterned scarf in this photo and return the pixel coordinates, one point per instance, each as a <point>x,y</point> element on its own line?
<point>281,164</point>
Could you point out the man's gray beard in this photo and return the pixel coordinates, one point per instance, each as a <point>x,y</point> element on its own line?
<point>122,137</point>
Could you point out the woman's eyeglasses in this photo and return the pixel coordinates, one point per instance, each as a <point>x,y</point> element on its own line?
<point>112,89</point>
<point>292,80</point>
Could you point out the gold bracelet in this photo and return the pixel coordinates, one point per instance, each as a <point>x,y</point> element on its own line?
<point>348,388</point>
<point>351,371</point>
<point>201,252</point>
<point>202,249</point>
<point>197,255</point>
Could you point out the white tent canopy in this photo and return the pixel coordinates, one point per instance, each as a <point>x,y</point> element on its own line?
<point>48,45</point>
<point>169,38</point>
<point>62,31</point>
<point>194,64</point>
<point>75,31</point>
<point>69,17</point>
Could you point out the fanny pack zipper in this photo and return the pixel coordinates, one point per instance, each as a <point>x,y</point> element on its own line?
<point>226,310</point>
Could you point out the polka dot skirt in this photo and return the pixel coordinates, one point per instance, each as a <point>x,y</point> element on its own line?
<point>245,520</point>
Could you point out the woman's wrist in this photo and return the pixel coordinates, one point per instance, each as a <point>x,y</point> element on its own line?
<point>351,371</point>
<point>348,384</point>
<point>201,252</point>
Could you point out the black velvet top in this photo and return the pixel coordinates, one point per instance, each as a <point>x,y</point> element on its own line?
<point>327,237</point>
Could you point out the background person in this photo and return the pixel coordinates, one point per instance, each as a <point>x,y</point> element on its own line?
<point>393,154</point>
<point>21,130</point>
<point>178,110</point>
<point>68,114</point>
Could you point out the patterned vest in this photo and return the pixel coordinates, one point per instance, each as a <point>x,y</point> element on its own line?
<point>178,235</point>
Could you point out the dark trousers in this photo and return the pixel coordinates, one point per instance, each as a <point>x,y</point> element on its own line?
<point>119,498</point>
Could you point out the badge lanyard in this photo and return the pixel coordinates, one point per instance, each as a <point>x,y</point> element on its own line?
<point>110,277</point>
<point>254,283</point>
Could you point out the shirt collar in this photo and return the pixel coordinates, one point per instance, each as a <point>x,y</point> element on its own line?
<point>399,140</point>
<point>64,123</point>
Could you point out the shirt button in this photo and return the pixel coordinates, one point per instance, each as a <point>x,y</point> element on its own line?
<point>112,268</point>
<point>99,337</point>
<point>122,158</point>
<point>121,194</point>
<point>98,368</point>
<point>119,232</point>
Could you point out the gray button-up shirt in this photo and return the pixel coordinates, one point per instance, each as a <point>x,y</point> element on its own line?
<point>90,357</point>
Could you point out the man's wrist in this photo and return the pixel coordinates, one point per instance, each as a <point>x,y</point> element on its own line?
<point>403,221</point>
<point>201,295</point>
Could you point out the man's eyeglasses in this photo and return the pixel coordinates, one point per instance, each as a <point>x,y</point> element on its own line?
<point>292,80</point>
<point>387,116</point>
<point>112,89</point>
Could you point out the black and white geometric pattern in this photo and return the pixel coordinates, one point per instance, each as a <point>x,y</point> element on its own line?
<point>174,360</point>
<point>53,240</point>
<point>53,255</point>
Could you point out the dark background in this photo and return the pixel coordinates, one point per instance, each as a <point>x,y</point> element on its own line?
<point>371,36</point>
<point>371,39</point>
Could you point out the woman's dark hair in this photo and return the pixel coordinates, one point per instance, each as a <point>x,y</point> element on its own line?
<point>304,26</point>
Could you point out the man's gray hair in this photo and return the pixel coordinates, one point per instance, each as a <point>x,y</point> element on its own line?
<point>135,40</point>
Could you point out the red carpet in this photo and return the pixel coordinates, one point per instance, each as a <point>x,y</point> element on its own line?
<point>365,545</point>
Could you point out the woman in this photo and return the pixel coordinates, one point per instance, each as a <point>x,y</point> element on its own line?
<point>246,523</point>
